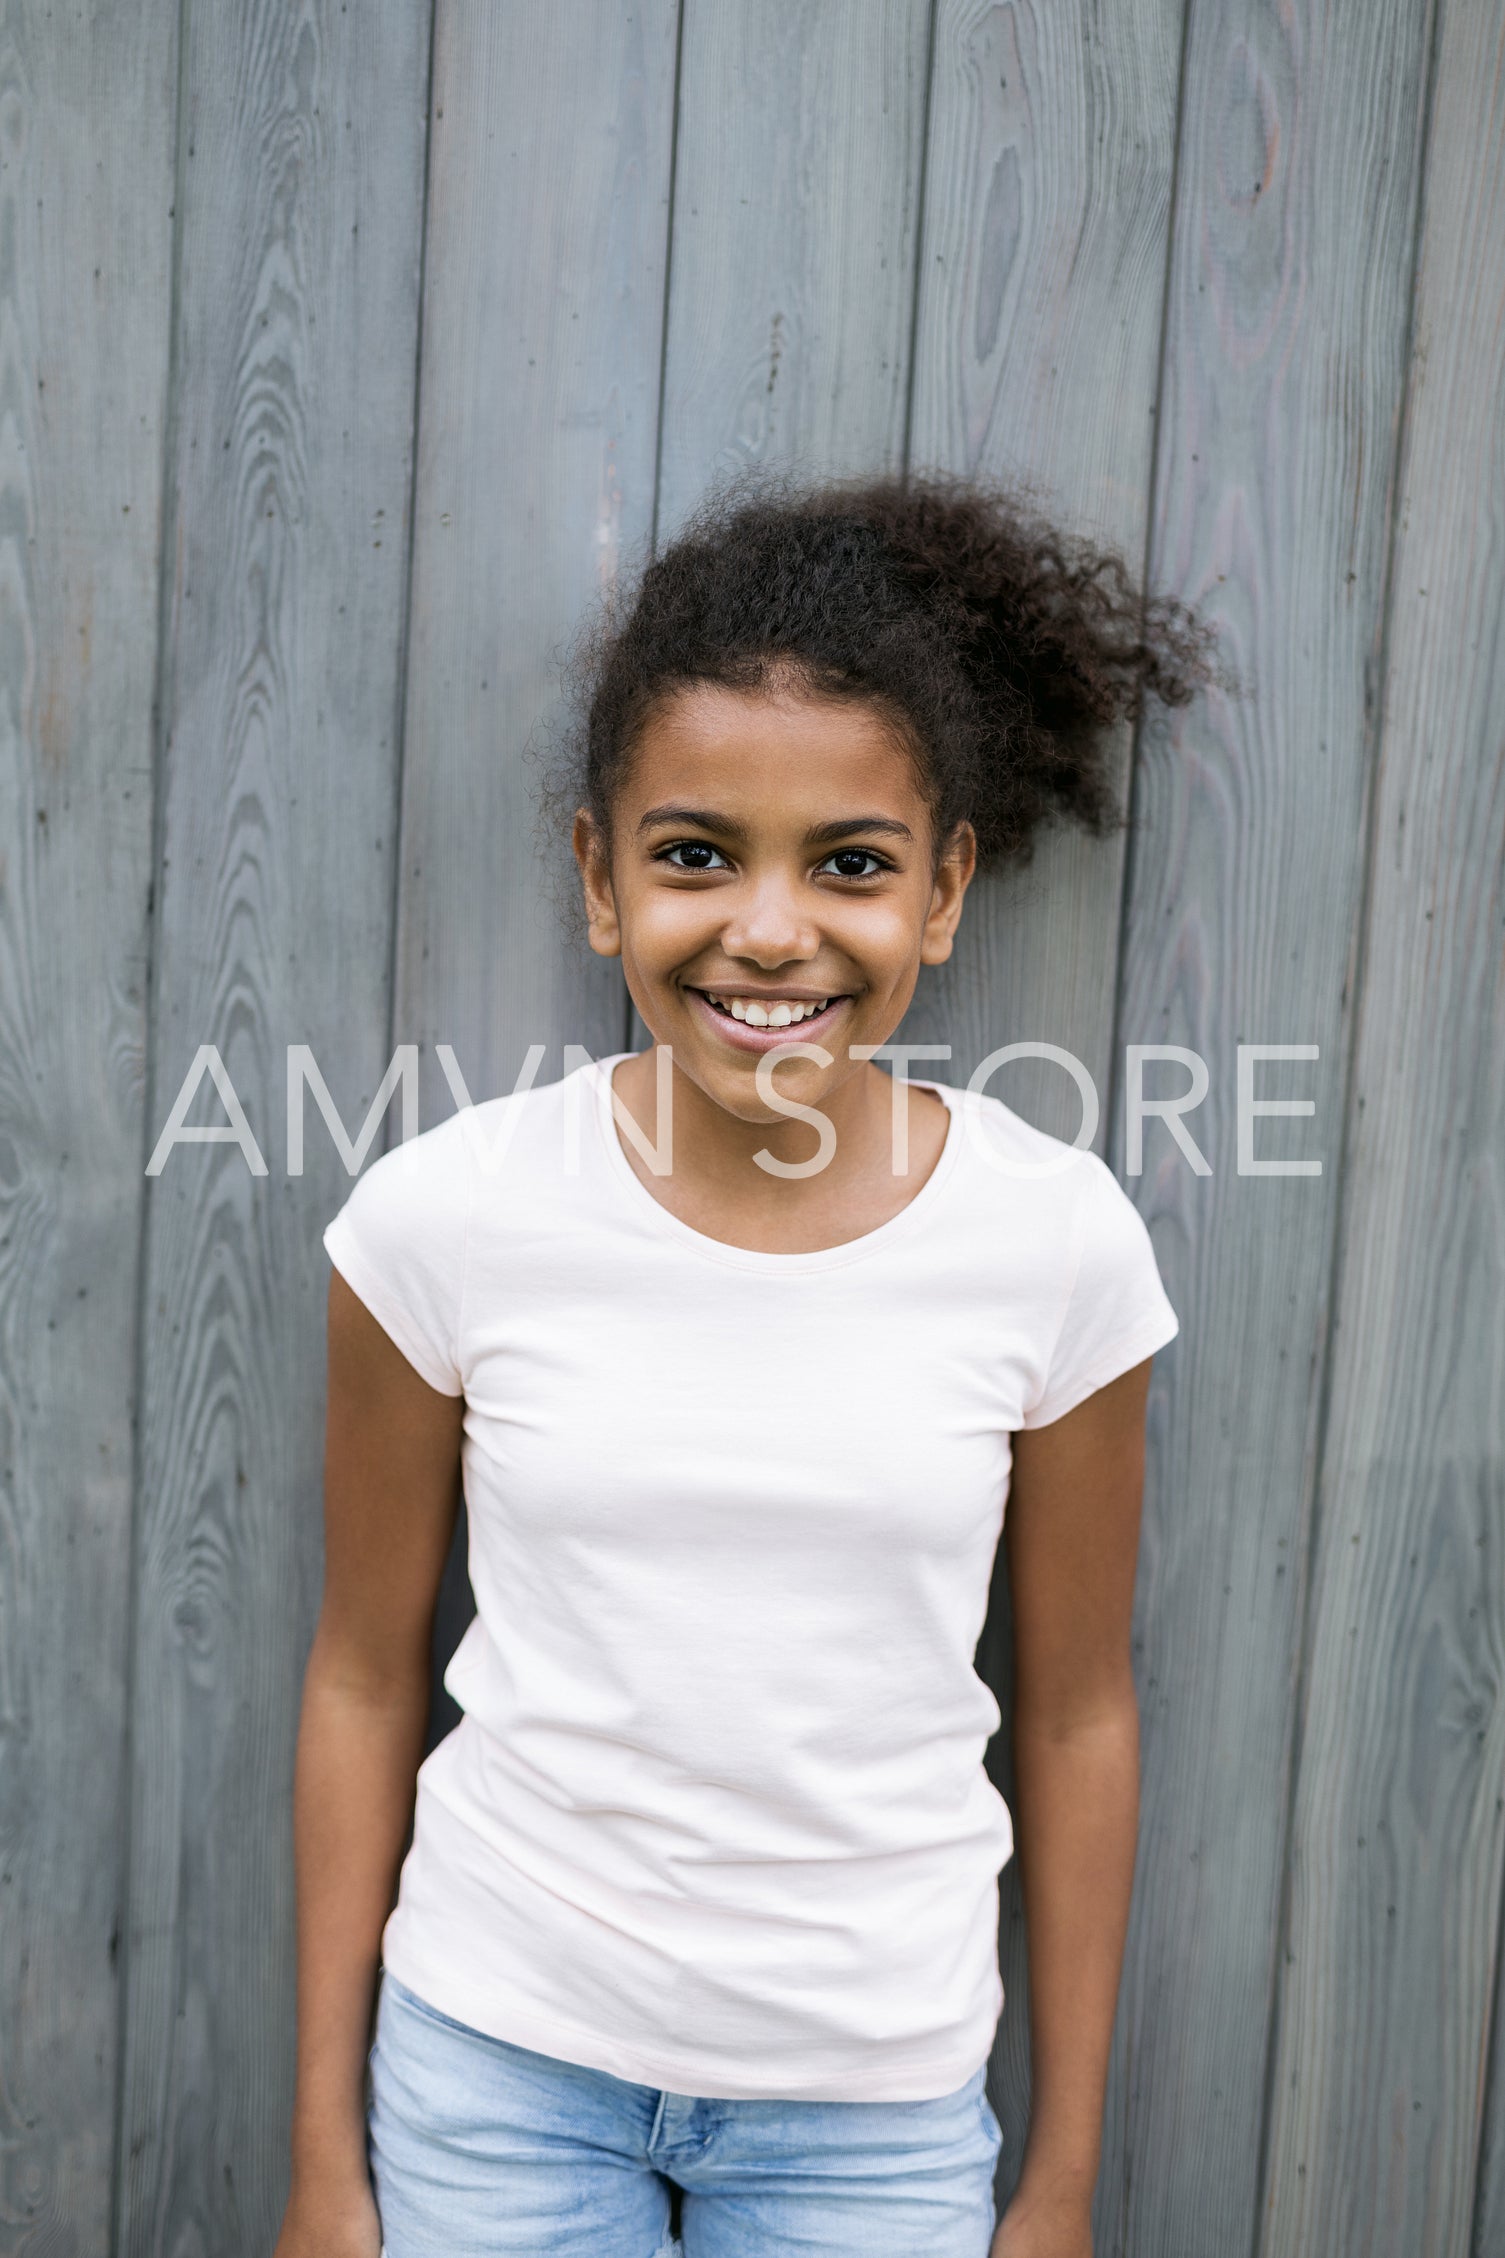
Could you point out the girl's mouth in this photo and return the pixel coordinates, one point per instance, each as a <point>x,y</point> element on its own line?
<point>761,1023</point>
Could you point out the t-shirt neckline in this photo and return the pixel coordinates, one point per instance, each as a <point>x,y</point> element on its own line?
<point>755,1258</point>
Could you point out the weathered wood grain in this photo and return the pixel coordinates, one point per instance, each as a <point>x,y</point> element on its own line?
<point>798,176</point>
<point>86,173</point>
<point>1284,376</point>
<point>294,358</point>
<point>1489,2191</point>
<point>797,189</point>
<point>543,320</point>
<point>1037,348</point>
<point>1037,355</point>
<point>543,331</point>
<point>1398,1831</point>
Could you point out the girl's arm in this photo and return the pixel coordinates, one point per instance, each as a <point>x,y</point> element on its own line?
<point>1072,1538</point>
<point>392,1450</point>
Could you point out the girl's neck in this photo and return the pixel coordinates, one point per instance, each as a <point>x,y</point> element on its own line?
<point>718,1187</point>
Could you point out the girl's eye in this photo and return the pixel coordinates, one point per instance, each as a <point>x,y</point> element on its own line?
<point>693,854</point>
<point>854,862</point>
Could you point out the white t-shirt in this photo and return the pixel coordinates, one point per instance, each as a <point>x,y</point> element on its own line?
<point>715,1818</point>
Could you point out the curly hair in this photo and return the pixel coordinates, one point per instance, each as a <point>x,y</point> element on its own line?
<point>1003,649</point>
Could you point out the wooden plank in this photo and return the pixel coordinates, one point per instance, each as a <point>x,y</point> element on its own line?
<point>1284,374</point>
<point>86,178</point>
<point>543,329</point>
<point>791,298</point>
<point>797,188</point>
<point>300,215</point>
<point>1398,1836</point>
<point>1489,2193</point>
<point>544,289</point>
<point>1052,135</point>
<point>1037,363</point>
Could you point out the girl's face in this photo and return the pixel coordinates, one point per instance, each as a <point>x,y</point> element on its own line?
<point>770,881</point>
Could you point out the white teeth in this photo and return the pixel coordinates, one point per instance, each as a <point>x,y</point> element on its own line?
<point>758,1014</point>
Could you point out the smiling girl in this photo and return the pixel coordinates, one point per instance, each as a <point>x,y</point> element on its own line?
<point>740,1345</point>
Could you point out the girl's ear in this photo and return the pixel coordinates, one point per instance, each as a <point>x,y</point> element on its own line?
<point>589,843</point>
<point>954,876</point>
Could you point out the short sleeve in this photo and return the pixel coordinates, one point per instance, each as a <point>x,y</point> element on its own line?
<point>1117,1312</point>
<point>399,1243</point>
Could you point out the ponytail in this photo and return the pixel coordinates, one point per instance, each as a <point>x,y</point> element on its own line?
<point>1003,649</point>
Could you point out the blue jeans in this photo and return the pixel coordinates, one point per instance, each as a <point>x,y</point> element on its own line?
<point>480,2147</point>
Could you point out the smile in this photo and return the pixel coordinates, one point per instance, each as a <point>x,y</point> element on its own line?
<point>767,1011</point>
<point>757,1022</point>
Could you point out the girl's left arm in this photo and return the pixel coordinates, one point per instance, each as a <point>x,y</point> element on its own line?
<point>1071,1536</point>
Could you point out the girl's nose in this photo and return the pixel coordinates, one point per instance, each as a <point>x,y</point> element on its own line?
<point>769,925</point>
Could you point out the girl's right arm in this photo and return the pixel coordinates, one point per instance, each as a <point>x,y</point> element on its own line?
<point>391,1489</point>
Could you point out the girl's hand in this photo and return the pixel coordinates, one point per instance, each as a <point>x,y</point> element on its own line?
<point>332,2220</point>
<point>1057,2226</point>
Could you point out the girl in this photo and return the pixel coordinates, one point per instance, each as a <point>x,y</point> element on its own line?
<point>740,1344</point>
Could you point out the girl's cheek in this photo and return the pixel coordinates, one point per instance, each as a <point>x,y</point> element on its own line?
<point>660,933</point>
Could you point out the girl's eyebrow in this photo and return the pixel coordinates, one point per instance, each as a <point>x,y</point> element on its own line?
<point>822,835</point>
<point>693,819</point>
<point>887,825</point>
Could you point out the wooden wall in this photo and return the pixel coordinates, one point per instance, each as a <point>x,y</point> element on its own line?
<point>342,363</point>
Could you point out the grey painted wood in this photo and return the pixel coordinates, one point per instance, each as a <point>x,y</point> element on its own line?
<point>1052,134</point>
<point>797,187</point>
<point>543,319</point>
<point>1283,383</point>
<point>1037,363</point>
<point>86,172</point>
<point>543,327</point>
<point>1398,1833</point>
<point>791,294</point>
<point>294,355</point>
<point>1489,2190</point>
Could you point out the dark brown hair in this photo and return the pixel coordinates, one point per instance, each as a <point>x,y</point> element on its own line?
<point>1003,649</point>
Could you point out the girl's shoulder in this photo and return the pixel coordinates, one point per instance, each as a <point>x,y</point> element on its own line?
<point>1028,1166</point>
<point>1070,1245</point>
<point>435,1170</point>
<point>403,1238</point>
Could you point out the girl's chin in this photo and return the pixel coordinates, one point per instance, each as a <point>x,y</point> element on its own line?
<point>736,1035</point>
